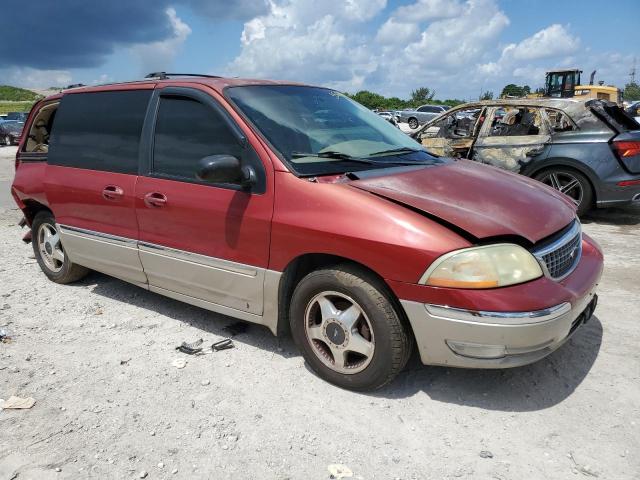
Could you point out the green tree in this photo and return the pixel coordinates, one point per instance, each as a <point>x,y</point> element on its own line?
<point>488,95</point>
<point>513,90</point>
<point>422,95</point>
<point>632,91</point>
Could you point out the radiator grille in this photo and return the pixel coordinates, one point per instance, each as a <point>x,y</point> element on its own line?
<point>561,256</point>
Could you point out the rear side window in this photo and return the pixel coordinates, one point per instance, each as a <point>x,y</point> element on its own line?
<point>99,131</point>
<point>186,132</point>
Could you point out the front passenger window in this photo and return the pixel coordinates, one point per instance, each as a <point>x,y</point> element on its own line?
<point>187,131</point>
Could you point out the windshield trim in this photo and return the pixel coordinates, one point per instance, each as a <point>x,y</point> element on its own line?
<point>290,166</point>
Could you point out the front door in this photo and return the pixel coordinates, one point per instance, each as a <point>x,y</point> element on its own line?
<point>512,137</point>
<point>453,135</point>
<point>202,243</point>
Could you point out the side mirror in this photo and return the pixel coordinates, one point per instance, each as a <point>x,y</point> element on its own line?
<point>225,169</point>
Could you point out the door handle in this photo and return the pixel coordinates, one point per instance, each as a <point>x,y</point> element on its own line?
<point>112,192</point>
<point>155,199</point>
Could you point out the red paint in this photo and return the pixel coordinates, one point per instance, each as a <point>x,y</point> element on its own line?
<point>534,295</point>
<point>216,222</point>
<point>364,221</point>
<point>486,202</point>
<point>75,196</point>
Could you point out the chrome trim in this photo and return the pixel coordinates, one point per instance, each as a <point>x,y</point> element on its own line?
<point>98,235</point>
<point>576,229</point>
<point>509,318</point>
<point>262,309</point>
<point>213,262</point>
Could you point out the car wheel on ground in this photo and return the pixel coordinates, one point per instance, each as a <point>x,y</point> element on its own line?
<point>347,328</point>
<point>413,123</point>
<point>570,182</point>
<point>49,252</point>
<point>7,140</point>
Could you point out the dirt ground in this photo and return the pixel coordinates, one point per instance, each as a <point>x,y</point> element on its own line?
<point>98,358</point>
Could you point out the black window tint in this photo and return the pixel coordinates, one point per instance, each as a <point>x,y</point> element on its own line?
<point>99,131</point>
<point>187,131</point>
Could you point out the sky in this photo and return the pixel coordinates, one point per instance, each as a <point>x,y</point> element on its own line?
<point>459,48</point>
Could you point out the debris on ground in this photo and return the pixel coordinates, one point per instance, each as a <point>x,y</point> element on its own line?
<point>486,454</point>
<point>236,328</point>
<point>193,348</point>
<point>17,403</point>
<point>583,469</point>
<point>225,344</point>
<point>179,363</point>
<point>5,336</point>
<point>339,471</point>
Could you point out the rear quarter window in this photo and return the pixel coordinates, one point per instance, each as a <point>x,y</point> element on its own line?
<point>99,131</point>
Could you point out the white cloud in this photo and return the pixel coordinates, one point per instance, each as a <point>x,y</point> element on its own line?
<point>394,32</point>
<point>34,78</point>
<point>552,41</point>
<point>423,10</point>
<point>158,56</point>
<point>307,40</point>
<point>452,46</point>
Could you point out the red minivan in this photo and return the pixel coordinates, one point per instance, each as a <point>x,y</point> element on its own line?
<point>294,207</point>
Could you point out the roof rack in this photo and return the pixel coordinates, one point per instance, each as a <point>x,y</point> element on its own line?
<point>165,75</point>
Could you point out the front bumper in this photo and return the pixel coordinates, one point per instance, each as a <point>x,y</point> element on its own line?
<point>477,339</point>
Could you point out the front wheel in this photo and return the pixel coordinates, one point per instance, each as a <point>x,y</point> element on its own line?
<point>570,182</point>
<point>50,253</point>
<point>413,123</point>
<point>347,328</point>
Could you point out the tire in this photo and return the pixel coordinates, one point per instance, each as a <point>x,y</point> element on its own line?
<point>7,141</point>
<point>562,179</point>
<point>413,123</point>
<point>47,249</point>
<point>359,317</point>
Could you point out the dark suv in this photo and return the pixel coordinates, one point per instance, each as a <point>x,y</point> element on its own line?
<point>589,151</point>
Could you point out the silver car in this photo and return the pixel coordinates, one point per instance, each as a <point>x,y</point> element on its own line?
<point>420,115</point>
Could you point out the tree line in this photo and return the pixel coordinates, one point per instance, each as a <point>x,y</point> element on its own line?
<point>419,96</point>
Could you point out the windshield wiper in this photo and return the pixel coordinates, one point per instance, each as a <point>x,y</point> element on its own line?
<point>335,155</point>
<point>396,150</point>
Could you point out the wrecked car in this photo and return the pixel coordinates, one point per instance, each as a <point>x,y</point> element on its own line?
<point>590,151</point>
<point>296,208</point>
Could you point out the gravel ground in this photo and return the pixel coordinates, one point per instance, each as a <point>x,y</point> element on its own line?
<point>98,358</point>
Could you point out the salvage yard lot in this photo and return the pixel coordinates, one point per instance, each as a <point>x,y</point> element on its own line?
<point>98,358</point>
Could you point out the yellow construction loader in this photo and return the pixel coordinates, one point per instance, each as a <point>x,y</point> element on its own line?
<point>566,84</point>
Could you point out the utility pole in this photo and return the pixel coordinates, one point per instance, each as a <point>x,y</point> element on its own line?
<point>632,74</point>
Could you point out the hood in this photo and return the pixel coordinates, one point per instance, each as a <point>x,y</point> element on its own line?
<point>483,201</point>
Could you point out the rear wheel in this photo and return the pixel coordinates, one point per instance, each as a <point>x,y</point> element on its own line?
<point>50,253</point>
<point>570,182</point>
<point>347,328</point>
<point>413,123</point>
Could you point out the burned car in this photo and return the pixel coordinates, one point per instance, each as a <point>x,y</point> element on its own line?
<point>589,150</point>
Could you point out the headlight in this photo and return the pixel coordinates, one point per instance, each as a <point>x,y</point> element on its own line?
<point>489,266</point>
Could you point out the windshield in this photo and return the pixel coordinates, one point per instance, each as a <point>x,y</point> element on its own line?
<point>12,126</point>
<point>320,131</point>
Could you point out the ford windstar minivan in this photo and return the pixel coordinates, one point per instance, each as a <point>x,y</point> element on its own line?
<point>293,207</point>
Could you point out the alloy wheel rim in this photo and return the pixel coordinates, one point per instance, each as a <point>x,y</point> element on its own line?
<point>50,247</point>
<point>339,332</point>
<point>565,183</point>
